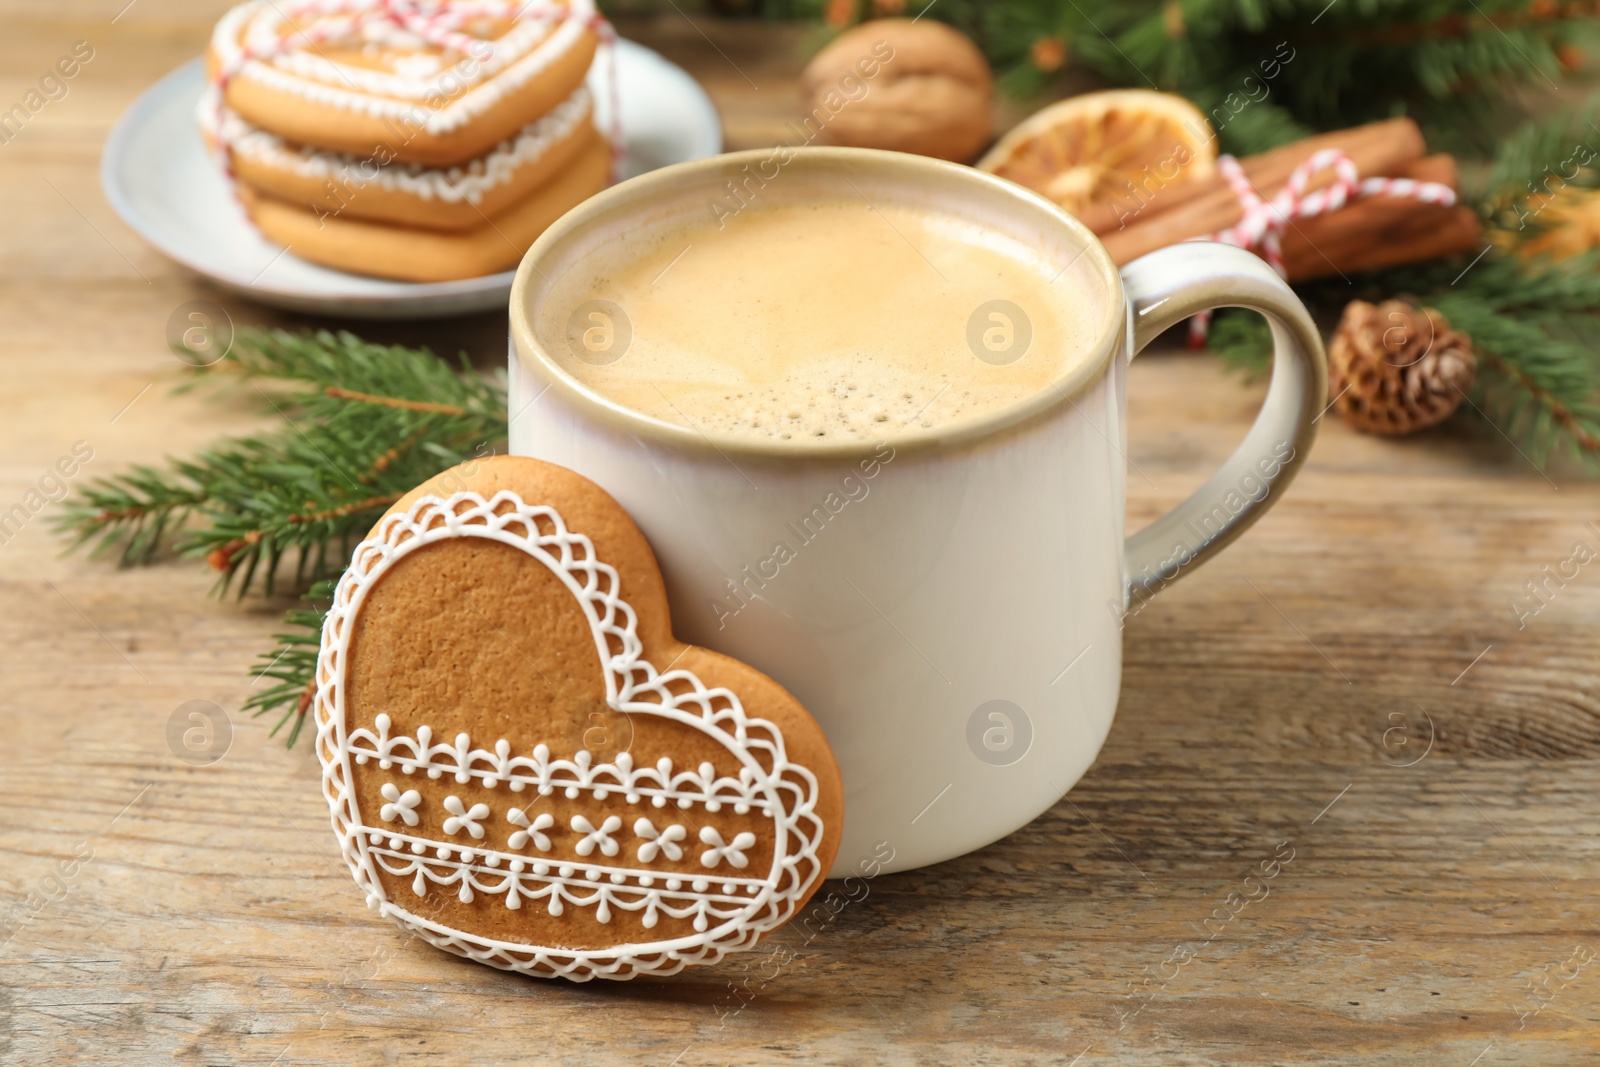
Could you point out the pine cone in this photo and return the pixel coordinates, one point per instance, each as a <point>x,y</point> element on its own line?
<point>1395,369</point>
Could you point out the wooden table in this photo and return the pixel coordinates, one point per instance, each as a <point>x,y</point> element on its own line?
<point>1439,906</point>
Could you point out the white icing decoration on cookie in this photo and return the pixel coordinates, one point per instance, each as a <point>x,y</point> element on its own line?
<point>657,782</point>
<point>732,851</point>
<point>663,843</point>
<point>729,914</point>
<point>464,818</point>
<point>449,185</point>
<point>530,832</point>
<point>543,33</point>
<point>418,66</point>
<point>596,836</point>
<point>401,806</point>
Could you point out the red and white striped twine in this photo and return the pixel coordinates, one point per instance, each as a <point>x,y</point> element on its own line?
<point>433,21</point>
<point>1260,229</point>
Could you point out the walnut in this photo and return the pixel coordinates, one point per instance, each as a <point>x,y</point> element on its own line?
<point>906,86</point>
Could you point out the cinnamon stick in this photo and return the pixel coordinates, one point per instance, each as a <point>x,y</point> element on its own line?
<point>1440,168</point>
<point>1382,231</point>
<point>1374,232</point>
<point>1431,232</point>
<point>1174,213</point>
<point>1373,147</point>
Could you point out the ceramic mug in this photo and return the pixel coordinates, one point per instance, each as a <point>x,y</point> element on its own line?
<point>950,602</point>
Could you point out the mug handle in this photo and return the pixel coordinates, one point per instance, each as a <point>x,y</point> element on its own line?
<point>1163,289</point>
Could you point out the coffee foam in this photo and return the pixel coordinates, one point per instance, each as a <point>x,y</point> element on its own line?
<point>815,322</point>
<point>856,399</point>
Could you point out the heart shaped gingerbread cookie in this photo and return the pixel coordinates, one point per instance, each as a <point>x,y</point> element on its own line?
<point>526,768</point>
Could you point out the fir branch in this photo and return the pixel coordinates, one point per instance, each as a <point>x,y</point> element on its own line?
<point>364,424</point>
<point>136,513</point>
<point>1545,164</point>
<point>1534,327</point>
<point>1570,421</point>
<point>343,361</point>
<point>1242,340</point>
<point>1462,24</point>
<point>293,665</point>
<point>1323,66</point>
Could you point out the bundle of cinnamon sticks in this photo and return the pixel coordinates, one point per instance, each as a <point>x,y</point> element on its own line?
<point>1367,233</point>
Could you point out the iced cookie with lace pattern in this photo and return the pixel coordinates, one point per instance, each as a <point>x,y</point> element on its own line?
<point>435,82</point>
<point>526,768</point>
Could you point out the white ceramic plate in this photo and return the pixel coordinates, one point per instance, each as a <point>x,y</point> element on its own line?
<point>159,178</point>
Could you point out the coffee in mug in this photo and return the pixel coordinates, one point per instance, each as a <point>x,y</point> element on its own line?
<point>816,321</point>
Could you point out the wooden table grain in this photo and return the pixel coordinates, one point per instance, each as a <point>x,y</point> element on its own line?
<point>1347,813</point>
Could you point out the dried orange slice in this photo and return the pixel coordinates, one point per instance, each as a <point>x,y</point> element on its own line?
<point>1122,145</point>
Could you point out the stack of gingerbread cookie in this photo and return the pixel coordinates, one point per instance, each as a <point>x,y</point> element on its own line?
<point>422,140</point>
